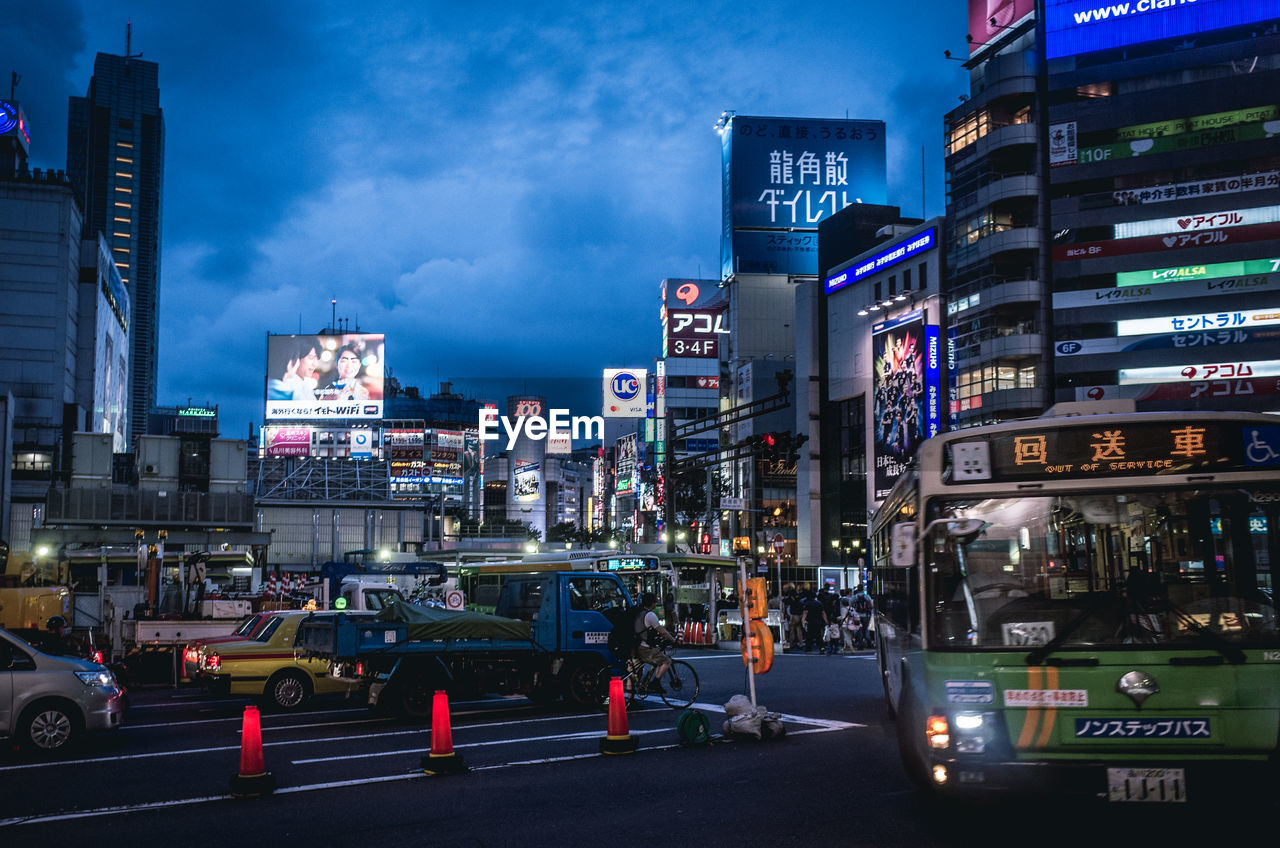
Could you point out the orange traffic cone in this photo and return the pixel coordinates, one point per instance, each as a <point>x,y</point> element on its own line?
<point>619,739</point>
<point>253,780</point>
<point>442,759</point>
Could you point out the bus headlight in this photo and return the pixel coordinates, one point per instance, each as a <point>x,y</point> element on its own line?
<point>972,731</point>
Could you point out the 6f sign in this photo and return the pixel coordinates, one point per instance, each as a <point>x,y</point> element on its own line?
<point>624,392</point>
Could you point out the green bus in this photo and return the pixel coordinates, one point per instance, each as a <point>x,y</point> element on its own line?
<point>1085,604</point>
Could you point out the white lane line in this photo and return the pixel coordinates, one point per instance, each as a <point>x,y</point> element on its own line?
<point>586,734</point>
<point>239,717</point>
<point>312,787</point>
<point>188,751</point>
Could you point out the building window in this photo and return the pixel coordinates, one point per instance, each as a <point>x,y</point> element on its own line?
<point>893,284</point>
<point>906,280</point>
<point>124,189</point>
<point>127,145</point>
<point>1096,89</point>
<point>969,130</point>
<point>995,378</point>
<point>877,290</point>
<point>124,205</point>
<point>124,161</point>
<point>924,275</point>
<point>123,175</point>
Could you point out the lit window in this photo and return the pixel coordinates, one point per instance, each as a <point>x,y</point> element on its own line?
<point>124,160</point>
<point>121,220</point>
<point>125,144</point>
<point>121,249</point>
<point>125,190</point>
<point>123,266</point>
<point>121,235</point>
<point>969,130</point>
<point>124,205</point>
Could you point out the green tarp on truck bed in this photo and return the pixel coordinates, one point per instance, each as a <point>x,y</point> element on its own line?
<point>427,623</point>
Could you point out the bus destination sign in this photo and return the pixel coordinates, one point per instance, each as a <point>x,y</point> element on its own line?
<point>625,563</point>
<point>1128,449</point>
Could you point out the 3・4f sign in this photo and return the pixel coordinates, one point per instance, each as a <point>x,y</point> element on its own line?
<point>624,392</point>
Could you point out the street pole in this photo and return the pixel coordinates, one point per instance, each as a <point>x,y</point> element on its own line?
<point>746,624</point>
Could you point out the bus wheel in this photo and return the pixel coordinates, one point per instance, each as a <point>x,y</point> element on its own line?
<point>883,666</point>
<point>911,737</point>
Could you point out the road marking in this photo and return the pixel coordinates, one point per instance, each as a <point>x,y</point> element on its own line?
<point>238,717</point>
<point>824,726</point>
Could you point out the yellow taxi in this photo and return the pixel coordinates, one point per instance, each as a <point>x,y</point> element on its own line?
<point>263,666</point>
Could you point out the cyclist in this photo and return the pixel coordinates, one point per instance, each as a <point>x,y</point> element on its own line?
<point>648,647</point>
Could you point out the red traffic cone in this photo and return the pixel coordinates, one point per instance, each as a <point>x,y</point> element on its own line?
<point>442,759</point>
<point>619,739</point>
<point>253,780</point>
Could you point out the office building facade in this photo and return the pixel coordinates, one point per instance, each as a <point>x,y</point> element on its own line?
<point>115,160</point>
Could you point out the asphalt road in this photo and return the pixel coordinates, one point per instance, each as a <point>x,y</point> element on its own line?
<point>536,777</point>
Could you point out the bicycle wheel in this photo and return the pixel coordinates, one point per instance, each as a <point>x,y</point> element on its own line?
<point>602,684</point>
<point>636,684</point>
<point>680,685</point>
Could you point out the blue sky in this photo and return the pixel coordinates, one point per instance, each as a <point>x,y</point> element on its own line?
<point>499,189</point>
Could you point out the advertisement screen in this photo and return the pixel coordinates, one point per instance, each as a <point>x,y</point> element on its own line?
<point>782,176</point>
<point>287,441</point>
<point>906,404</point>
<point>1083,26</point>
<point>624,392</point>
<point>989,18</point>
<point>325,377</point>
<point>526,481</point>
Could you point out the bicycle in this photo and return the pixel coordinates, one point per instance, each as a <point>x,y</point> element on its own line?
<point>679,685</point>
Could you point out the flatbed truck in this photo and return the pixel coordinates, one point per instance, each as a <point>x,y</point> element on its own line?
<point>548,639</point>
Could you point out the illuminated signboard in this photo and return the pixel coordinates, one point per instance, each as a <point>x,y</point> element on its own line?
<point>1121,450</point>
<point>1197,222</point>
<point>325,376</point>
<point>624,392</point>
<point>526,481</point>
<point>1196,123</point>
<point>886,258</point>
<point>1232,234</point>
<point>1228,320</point>
<point>694,318</point>
<point>1191,272</point>
<point>287,441</point>
<point>906,379</point>
<point>1213,371</point>
<point>197,412</point>
<point>626,466</point>
<point>781,176</point>
<point>990,19</point>
<point>1083,26</point>
<point>13,122</point>
<point>1238,184</point>
<point>625,564</point>
<point>1182,290</point>
<point>1103,150</point>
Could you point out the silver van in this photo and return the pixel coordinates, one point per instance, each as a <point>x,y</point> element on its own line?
<point>47,702</point>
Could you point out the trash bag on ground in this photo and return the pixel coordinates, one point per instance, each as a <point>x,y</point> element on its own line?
<point>756,722</point>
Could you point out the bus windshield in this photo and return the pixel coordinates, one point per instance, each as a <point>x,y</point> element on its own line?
<point>1175,568</point>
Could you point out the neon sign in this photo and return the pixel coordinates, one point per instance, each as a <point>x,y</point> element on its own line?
<point>886,258</point>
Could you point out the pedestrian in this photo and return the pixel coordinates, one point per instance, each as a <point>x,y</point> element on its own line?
<point>669,612</point>
<point>795,620</point>
<point>863,607</point>
<point>814,619</point>
<point>848,621</point>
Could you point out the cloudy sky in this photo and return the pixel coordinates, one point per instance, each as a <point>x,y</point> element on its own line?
<point>499,189</point>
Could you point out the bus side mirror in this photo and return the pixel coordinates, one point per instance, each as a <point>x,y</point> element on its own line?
<point>904,544</point>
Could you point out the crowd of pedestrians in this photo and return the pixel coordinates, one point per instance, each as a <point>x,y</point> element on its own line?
<point>826,621</point>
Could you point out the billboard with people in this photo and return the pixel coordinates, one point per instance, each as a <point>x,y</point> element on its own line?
<point>906,406</point>
<point>336,376</point>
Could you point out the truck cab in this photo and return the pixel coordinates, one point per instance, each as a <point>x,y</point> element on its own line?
<point>366,594</point>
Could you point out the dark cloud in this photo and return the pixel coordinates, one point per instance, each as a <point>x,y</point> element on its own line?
<point>499,188</point>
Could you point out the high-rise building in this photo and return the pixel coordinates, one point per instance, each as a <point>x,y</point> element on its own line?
<point>1165,186</point>
<point>115,159</point>
<point>996,240</point>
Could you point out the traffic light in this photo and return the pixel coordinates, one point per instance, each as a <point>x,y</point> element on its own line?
<point>769,445</point>
<point>793,447</point>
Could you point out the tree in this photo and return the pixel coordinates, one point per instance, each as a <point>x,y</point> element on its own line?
<point>565,531</point>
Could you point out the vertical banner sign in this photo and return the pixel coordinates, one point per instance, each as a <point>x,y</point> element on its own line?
<point>782,176</point>
<point>953,390</point>
<point>660,442</point>
<point>898,407</point>
<point>932,380</point>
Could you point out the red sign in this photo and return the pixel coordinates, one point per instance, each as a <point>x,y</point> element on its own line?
<point>1173,241</point>
<point>778,542</point>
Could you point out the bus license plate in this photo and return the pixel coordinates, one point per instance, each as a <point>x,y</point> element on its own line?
<point>1161,785</point>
